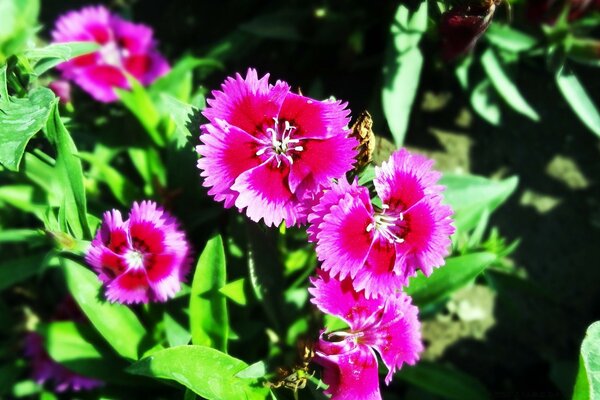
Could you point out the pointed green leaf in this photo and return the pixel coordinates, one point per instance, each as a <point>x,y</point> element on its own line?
<point>106,317</point>
<point>578,99</point>
<point>484,102</point>
<point>48,57</point>
<point>208,308</point>
<point>403,68</point>
<point>236,291</point>
<point>445,280</point>
<point>206,371</point>
<point>505,86</point>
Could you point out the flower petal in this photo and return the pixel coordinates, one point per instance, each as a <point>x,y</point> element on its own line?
<point>247,102</point>
<point>264,193</point>
<point>100,80</point>
<point>350,375</point>
<point>313,118</point>
<point>130,288</point>
<point>397,335</point>
<point>227,151</point>
<point>343,241</point>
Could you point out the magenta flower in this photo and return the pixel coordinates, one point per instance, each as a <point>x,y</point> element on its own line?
<point>267,150</point>
<point>125,48</point>
<point>45,369</point>
<point>142,259</point>
<point>388,325</point>
<point>380,248</point>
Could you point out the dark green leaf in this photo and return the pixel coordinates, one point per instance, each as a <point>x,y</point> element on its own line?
<point>578,99</point>
<point>139,102</point>
<point>449,383</point>
<point>587,384</point>
<point>457,273</point>
<point>505,86</point>
<point>106,317</point>
<point>470,196</point>
<point>208,372</point>
<point>208,308</point>
<point>20,119</point>
<point>15,270</point>
<point>121,187</point>
<point>403,68</point>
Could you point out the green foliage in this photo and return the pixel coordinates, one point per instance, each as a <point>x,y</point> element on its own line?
<point>587,385</point>
<point>206,371</point>
<point>128,339</point>
<point>578,99</point>
<point>208,308</point>
<point>50,56</point>
<point>403,68</point>
<point>17,21</point>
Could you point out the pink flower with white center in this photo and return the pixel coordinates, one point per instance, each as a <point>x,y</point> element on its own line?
<point>268,151</point>
<point>386,325</point>
<point>142,259</point>
<point>380,248</point>
<point>125,48</point>
<point>45,369</point>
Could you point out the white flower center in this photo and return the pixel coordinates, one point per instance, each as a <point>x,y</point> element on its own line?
<point>135,259</point>
<point>279,143</point>
<point>112,54</point>
<point>388,225</point>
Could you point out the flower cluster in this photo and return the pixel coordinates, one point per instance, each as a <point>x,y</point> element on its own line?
<point>141,259</point>
<point>126,48</point>
<point>269,151</point>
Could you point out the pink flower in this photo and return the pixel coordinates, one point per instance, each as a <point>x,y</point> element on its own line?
<point>62,89</point>
<point>142,259</point>
<point>388,325</point>
<point>125,48</point>
<point>380,248</point>
<point>267,150</point>
<point>45,369</point>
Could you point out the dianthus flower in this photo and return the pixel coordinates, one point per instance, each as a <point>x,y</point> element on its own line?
<point>388,325</point>
<point>380,248</point>
<point>142,259</point>
<point>125,48</point>
<point>267,150</point>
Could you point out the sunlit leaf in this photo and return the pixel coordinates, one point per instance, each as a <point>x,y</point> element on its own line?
<point>510,39</point>
<point>206,371</point>
<point>208,309</point>
<point>403,68</point>
<point>505,86</point>
<point>48,57</point>
<point>578,99</point>
<point>458,272</point>
<point>587,384</point>
<point>106,317</point>
<point>483,102</point>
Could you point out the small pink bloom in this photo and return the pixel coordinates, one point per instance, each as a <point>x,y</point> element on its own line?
<point>267,150</point>
<point>386,325</point>
<point>380,248</point>
<point>142,259</point>
<point>62,89</point>
<point>125,48</point>
<point>45,369</point>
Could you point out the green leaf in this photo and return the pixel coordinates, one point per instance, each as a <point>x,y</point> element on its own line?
<point>179,113</point>
<point>458,272</point>
<point>121,187</point>
<point>206,371</point>
<point>484,104</point>
<point>106,317</point>
<point>254,371</point>
<point>208,308</point>
<point>68,166</point>
<point>403,68</point>
<point>18,19</point>
<point>20,119</point>
<point>48,57</point>
<point>449,383</point>
<point>177,334</point>
<point>15,270</point>
<point>587,384</point>
<point>20,235</point>
<point>578,99</point>
<point>505,86</point>
<point>236,291</point>
<point>24,198</point>
<point>470,196</point>
<point>510,39</point>
<point>178,82</point>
